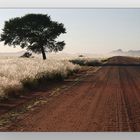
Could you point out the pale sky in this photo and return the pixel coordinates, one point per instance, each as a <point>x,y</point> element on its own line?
<point>88,30</point>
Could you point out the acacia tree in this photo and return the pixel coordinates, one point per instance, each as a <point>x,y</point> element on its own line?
<point>35,32</point>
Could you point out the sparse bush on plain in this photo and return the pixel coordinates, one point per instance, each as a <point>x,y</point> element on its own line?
<point>104,60</point>
<point>81,55</point>
<point>27,55</point>
<point>86,62</point>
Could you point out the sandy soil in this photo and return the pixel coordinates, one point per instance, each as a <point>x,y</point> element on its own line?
<point>104,100</point>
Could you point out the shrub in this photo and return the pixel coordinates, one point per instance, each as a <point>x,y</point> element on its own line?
<point>86,62</point>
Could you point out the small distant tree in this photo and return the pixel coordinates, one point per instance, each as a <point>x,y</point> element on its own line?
<point>35,32</point>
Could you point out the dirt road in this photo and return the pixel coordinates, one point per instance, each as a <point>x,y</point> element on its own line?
<point>104,100</point>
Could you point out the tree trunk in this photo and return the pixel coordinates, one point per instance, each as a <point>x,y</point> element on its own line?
<point>43,53</point>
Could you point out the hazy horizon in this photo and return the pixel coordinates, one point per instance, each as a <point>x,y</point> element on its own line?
<point>88,30</point>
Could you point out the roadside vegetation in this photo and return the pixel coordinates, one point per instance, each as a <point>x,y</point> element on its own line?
<point>16,75</point>
<point>88,61</point>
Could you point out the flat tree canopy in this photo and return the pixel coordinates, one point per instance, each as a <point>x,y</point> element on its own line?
<point>35,32</point>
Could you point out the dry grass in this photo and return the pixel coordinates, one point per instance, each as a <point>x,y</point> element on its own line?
<point>19,73</point>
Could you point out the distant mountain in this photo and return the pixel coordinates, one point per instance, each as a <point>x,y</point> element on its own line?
<point>120,52</point>
<point>134,52</point>
<point>117,51</point>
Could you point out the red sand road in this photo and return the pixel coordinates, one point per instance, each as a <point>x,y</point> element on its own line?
<point>108,100</point>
